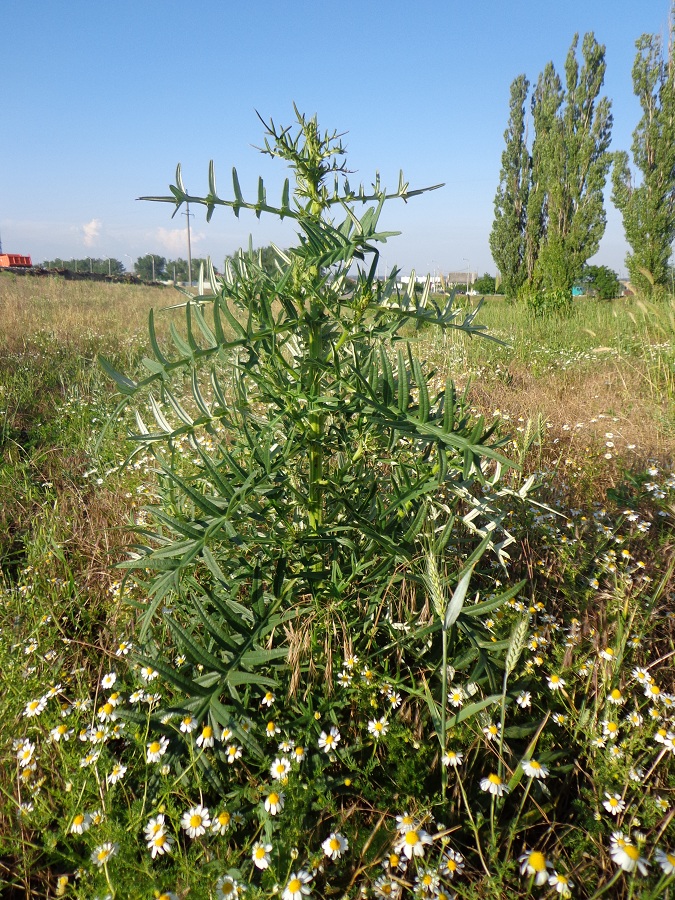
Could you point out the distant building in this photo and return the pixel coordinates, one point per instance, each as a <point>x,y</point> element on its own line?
<point>439,282</point>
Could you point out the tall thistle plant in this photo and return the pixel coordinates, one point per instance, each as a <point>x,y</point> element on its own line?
<point>318,449</point>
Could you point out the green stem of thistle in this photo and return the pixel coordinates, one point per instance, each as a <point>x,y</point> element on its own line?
<point>315,423</point>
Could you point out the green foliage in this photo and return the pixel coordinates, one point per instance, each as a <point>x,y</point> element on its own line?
<point>150,267</point>
<point>105,266</point>
<point>507,237</point>
<point>647,205</point>
<point>602,281</point>
<point>487,284</point>
<point>549,207</point>
<point>543,303</point>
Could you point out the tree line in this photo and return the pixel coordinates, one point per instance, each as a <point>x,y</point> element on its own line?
<point>549,205</point>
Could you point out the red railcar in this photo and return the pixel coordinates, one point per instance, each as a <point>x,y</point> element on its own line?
<point>14,260</point>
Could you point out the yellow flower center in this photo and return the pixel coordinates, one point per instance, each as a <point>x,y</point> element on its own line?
<point>154,747</point>
<point>451,865</point>
<point>79,819</point>
<point>195,821</point>
<point>260,852</point>
<point>224,818</point>
<point>494,779</point>
<point>537,861</point>
<point>273,798</point>
<point>207,732</point>
<point>294,885</point>
<point>334,844</point>
<point>412,837</point>
<point>632,852</point>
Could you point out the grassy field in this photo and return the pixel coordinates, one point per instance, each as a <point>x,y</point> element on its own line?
<point>588,406</point>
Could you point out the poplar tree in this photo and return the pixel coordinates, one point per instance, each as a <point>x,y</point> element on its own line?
<point>648,209</point>
<point>575,162</point>
<point>507,238</point>
<point>563,218</point>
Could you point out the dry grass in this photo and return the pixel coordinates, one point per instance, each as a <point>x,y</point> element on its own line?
<point>72,311</point>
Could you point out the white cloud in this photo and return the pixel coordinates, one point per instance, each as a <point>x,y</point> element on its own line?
<point>174,241</point>
<point>91,231</point>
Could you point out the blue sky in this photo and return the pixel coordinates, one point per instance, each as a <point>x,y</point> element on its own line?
<point>101,100</point>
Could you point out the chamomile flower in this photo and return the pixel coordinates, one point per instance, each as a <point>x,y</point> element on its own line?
<point>274,802</point>
<point>562,884</point>
<point>156,825</point>
<point>405,822</point>
<point>652,691</point>
<point>117,772</point>
<point>493,784</point>
<point>81,823</point>
<point>272,729</point>
<point>285,747</point>
<point>386,888</point>
<point>394,699</point>
<point>616,697</point>
<point>666,859</point>
<point>195,821</point>
<point>61,733</point>
<point>614,804</point>
<point>634,719</point>
<point>610,729</point>
<point>299,753</point>
<point>328,742</point>
<point>335,845</point>
<point>260,854</point>
<point>106,712</point>
<point>456,697</point>
<point>413,842</point>
<point>451,863</point>
<point>159,844</point>
<point>228,888</point>
<point>555,682</point>
<point>427,882</point>
<point>24,752</point>
<point>188,724</point>
<point>524,699</point>
<point>280,768</point>
<point>148,673</point>
<point>378,727</point>
<point>268,699</point>
<point>534,863</point>
<point>221,822</point>
<point>156,749</point>
<point>297,886</point>
<point>534,769</point>
<point>102,854</point>
<point>35,707</point>
<point>344,679</point>
<point>641,675</point>
<point>607,653</point>
<point>108,680</point>
<point>492,731</point>
<point>626,855</point>
<point>452,758</point>
<point>234,751</point>
<point>206,738</point>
